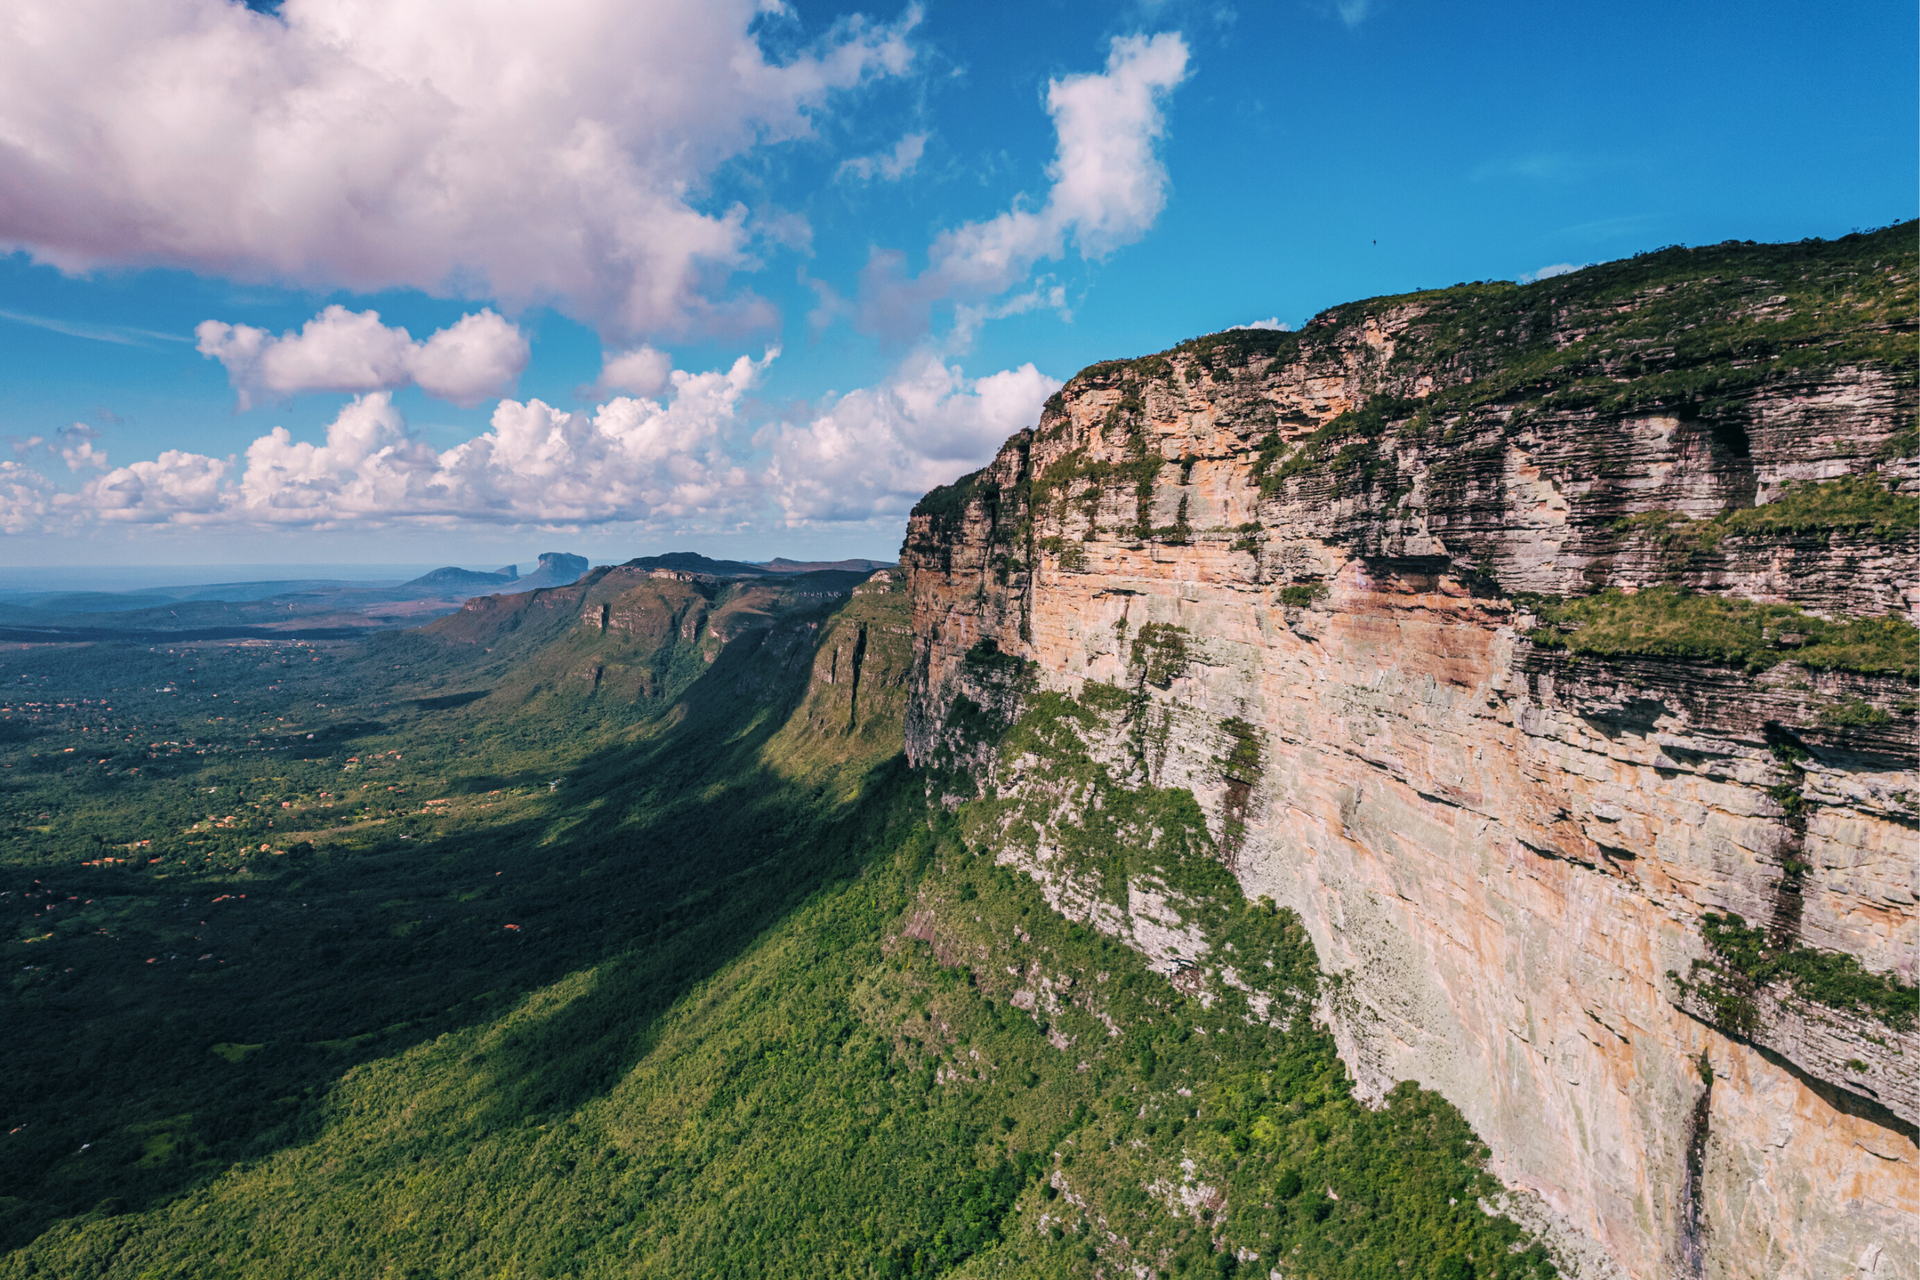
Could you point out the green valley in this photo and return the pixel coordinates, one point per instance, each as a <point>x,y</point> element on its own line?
<point>603,930</point>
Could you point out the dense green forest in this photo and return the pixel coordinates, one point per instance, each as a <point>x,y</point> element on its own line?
<point>424,956</point>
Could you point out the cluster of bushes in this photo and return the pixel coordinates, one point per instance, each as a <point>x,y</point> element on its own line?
<point>1348,447</point>
<point>1849,504</point>
<point>1669,622</point>
<point>1745,960</point>
<point>1159,653</point>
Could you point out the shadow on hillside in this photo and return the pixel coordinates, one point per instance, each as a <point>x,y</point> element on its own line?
<point>672,854</point>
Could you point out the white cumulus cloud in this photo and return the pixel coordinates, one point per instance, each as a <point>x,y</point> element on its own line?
<point>891,165</point>
<point>630,460</point>
<point>175,488</point>
<point>873,452</point>
<point>25,498</point>
<point>529,153</point>
<point>1271,322</point>
<point>476,357</point>
<point>642,371</point>
<point>84,456</point>
<point>1108,188</point>
<point>634,460</point>
<point>692,455</point>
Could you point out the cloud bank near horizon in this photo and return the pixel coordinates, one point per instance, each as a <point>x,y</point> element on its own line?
<point>691,455</point>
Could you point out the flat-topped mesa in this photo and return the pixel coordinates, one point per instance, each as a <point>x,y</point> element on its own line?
<point>1572,630</point>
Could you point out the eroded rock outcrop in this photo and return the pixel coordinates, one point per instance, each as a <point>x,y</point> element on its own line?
<point>1634,887</point>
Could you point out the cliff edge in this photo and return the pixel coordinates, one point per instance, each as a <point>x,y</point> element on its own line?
<point>1550,650</point>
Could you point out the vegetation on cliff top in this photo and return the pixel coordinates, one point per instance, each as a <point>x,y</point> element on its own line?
<point>1692,333</point>
<point>1674,324</point>
<point>946,505</point>
<point>1685,331</point>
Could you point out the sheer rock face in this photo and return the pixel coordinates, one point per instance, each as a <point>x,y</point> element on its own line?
<point>1506,851</point>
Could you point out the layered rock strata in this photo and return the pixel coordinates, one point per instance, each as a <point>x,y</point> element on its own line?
<point>1311,567</point>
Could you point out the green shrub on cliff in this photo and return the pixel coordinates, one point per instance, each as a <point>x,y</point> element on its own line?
<point>1347,447</point>
<point>1159,652</point>
<point>1745,960</point>
<point>1666,622</point>
<point>1851,502</point>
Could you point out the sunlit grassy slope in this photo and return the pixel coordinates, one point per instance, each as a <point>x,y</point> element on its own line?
<point>677,1015</point>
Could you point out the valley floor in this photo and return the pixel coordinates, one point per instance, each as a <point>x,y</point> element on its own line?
<point>416,958</point>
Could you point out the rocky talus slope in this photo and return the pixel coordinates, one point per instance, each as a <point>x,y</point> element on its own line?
<point>1551,652</point>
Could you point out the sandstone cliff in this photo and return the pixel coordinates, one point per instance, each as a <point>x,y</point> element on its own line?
<point>1550,652</point>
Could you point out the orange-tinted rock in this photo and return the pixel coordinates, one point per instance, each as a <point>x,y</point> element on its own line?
<point>1508,853</point>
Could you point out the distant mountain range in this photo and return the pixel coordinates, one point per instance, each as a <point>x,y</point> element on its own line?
<point>557,569</point>
<point>471,581</point>
<point>694,562</point>
<point>781,565</point>
<point>324,609</point>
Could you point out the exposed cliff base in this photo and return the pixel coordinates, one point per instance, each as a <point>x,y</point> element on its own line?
<point>1550,652</point>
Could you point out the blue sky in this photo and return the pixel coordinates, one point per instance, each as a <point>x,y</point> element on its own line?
<point>613,213</point>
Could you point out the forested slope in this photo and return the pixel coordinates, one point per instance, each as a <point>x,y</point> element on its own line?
<point>696,982</point>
